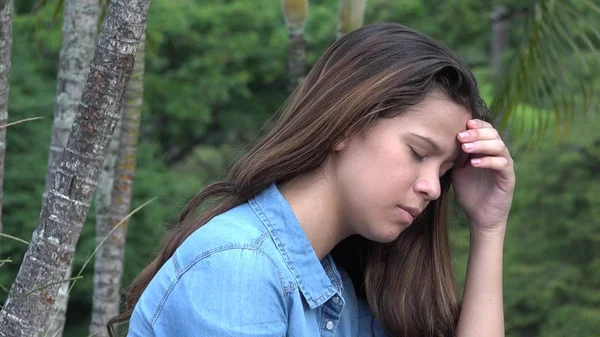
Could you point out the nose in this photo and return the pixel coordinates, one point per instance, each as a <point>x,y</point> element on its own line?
<point>428,186</point>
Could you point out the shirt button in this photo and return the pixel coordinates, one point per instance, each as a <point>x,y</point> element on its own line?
<point>329,325</point>
<point>336,300</point>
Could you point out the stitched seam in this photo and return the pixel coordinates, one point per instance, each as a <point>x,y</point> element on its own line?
<point>176,263</point>
<point>269,223</point>
<point>286,288</point>
<point>163,299</point>
<point>329,270</point>
<point>253,247</point>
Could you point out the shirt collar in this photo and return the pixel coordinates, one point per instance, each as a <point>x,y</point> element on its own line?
<point>318,280</point>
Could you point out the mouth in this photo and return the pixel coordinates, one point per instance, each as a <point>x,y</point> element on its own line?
<point>408,213</point>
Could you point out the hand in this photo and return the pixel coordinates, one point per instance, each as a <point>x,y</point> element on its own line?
<point>484,178</point>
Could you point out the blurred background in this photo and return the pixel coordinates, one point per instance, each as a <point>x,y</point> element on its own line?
<point>216,70</point>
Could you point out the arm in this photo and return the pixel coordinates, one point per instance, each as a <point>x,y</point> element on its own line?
<point>231,293</point>
<point>482,307</point>
<point>484,182</point>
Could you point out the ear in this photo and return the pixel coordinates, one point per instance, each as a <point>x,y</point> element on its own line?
<point>339,146</point>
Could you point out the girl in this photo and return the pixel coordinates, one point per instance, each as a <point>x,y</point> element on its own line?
<point>335,222</point>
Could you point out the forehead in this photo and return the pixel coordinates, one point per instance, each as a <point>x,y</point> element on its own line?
<point>438,118</point>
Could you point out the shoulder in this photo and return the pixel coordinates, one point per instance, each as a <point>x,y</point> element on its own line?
<point>233,241</point>
<point>246,262</point>
<point>231,289</point>
<point>229,267</point>
<point>238,228</point>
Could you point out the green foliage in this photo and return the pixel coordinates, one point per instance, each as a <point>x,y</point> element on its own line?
<point>554,241</point>
<point>558,34</point>
<point>216,70</point>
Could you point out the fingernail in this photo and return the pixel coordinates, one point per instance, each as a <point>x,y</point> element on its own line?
<point>475,161</point>
<point>463,135</point>
<point>468,146</point>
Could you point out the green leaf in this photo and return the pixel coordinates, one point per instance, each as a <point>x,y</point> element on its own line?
<point>550,72</point>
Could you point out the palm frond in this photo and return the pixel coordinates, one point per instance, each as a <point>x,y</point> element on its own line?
<point>549,82</point>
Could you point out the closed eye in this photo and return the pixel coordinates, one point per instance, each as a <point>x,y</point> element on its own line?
<point>416,156</point>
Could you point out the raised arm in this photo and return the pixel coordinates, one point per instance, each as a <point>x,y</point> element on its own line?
<point>484,182</point>
<point>482,306</point>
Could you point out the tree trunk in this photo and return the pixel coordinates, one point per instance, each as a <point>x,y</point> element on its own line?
<point>79,34</point>
<point>295,13</point>
<point>6,14</point>
<point>103,201</point>
<point>109,260</point>
<point>500,35</point>
<point>351,16</point>
<point>67,204</point>
<point>56,321</point>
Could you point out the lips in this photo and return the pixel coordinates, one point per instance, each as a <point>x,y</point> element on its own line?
<point>409,213</point>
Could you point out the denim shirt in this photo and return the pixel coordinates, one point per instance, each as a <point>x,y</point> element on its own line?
<point>251,272</point>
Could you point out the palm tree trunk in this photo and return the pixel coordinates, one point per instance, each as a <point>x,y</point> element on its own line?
<point>103,201</point>
<point>295,13</point>
<point>77,49</point>
<point>57,318</point>
<point>6,14</point>
<point>109,259</point>
<point>79,33</point>
<point>500,35</point>
<point>351,16</point>
<point>67,203</point>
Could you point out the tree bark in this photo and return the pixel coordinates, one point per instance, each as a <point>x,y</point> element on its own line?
<point>109,260</point>
<point>6,14</point>
<point>79,32</point>
<point>295,13</point>
<point>350,16</point>
<point>58,312</point>
<point>500,35</point>
<point>67,204</point>
<point>103,201</point>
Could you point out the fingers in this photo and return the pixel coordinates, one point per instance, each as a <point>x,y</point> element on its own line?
<point>478,123</point>
<point>494,163</point>
<point>484,145</point>
<point>478,134</point>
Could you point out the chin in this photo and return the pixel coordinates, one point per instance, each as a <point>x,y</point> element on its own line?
<point>383,236</point>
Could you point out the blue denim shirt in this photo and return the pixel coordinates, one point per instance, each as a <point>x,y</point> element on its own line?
<point>251,272</point>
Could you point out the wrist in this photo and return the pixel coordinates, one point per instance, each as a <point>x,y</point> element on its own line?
<point>495,232</point>
<point>486,242</point>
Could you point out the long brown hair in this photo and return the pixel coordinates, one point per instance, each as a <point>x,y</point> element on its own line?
<point>377,71</point>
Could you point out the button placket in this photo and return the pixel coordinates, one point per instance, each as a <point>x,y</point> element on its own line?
<point>331,315</point>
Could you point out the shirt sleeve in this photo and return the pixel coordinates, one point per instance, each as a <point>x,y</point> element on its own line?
<point>235,292</point>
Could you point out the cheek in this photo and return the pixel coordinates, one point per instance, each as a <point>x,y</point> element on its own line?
<point>377,176</point>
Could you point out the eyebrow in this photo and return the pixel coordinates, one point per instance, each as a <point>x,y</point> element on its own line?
<point>433,145</point>
<point>428,140</point>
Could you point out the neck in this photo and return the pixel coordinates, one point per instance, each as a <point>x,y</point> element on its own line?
<point>313,200</point>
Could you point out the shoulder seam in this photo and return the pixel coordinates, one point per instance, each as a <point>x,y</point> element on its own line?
<point>255,246</point>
